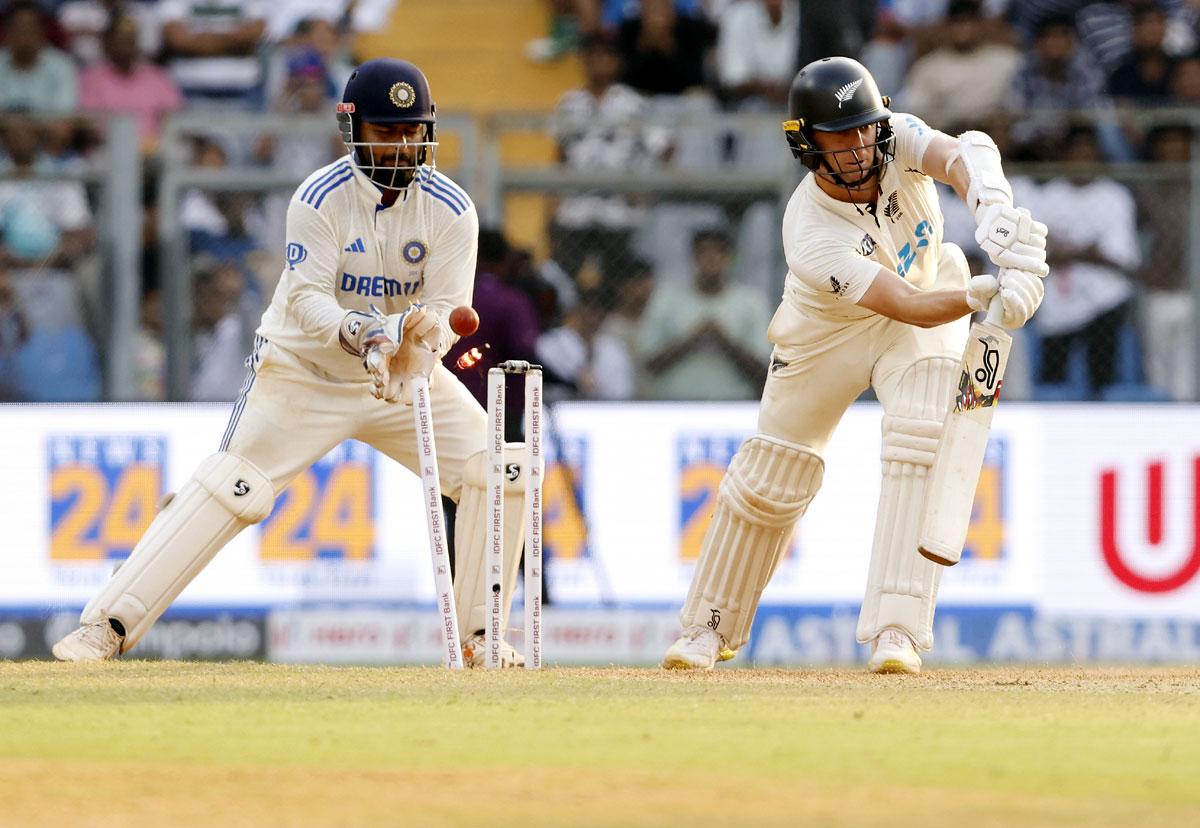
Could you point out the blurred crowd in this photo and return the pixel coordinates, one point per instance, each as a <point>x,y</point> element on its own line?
<point>632,297</point>
<point>1070,89</point>
<point>64,66</point>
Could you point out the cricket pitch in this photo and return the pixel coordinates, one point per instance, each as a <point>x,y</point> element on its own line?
<point>191,744</point>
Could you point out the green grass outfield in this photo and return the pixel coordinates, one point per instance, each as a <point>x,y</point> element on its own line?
<point>158,743</point>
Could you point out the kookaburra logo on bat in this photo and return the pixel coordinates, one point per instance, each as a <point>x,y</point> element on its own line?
<point>991,362</point>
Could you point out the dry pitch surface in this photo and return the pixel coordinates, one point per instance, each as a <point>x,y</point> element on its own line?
<point>157,743</point>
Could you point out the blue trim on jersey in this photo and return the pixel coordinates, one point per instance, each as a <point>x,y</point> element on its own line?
<point>445,181</point>
<point>341,167</point>
<point>459,198</point>
<point>330,187</point>
<point>443,199</point>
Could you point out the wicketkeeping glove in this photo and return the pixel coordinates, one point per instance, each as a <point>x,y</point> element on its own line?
<point>400,346</point>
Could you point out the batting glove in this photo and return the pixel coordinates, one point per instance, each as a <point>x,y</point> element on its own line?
<point>1012,238</point>
<point>1021,294</point>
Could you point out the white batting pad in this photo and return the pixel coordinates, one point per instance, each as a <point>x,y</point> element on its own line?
<point>226,494</point>
<point>471,535</point>
<point>766,489</point>
<point>902,585</point>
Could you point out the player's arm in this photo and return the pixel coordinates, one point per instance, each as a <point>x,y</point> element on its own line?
<point>312,261</point>
<point>891,296</point>
<point>450,272</point>
<point>971,164</point>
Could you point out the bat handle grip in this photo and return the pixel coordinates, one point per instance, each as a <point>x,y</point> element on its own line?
<point>995,311</point>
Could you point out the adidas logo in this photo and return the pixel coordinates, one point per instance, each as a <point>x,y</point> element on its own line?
<point>356,247</point>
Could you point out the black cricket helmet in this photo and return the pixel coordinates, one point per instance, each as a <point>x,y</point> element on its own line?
<point>388,91</point>
<point>830,95</point>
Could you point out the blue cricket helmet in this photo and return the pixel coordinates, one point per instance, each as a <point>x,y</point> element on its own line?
<point>388,91</point>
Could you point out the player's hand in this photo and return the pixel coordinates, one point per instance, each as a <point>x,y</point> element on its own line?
<point>980,290</point>
<point>385,385</point>
<point>1021,293</point>
<point>1012,238</point>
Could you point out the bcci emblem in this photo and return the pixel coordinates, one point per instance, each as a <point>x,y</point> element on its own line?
<point>413,251</point>
<point>402,95</point>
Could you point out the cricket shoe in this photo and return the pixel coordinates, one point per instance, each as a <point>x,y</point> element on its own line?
<point>698,648</point>
<point>94,641</point>
<point>475,652</point>
<point>893,651</point>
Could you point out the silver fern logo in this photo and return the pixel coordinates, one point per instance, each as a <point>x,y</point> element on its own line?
<point>892,210</point>
<point>847,92</point>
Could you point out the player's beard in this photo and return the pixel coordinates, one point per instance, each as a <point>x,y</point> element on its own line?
<point>394,172</point>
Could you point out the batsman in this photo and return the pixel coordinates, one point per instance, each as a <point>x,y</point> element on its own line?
<point>873,298</point>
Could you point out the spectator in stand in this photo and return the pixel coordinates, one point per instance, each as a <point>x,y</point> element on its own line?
<point>598,130</point>
<point>14,332</point>
<point>704,341</point>
<point>1165,304</point>
<point>307,91</point>
<point>226,226</point>
<point>563,35</point>
<point>150,353</point>
<point>34,76</point>
<point>623,323</point>
<point>45,233</point>
<point>756,52</point>
<point>664,51</point>
<point>46,225</point>
<point>840,28</point>
<point>1060,76</point>
<point>1185,82</point>
<point>1144,78</point>
<point>212,47</point>
<point>312,34</point>
<point>1093,253</point>
<point>86,22</point>
<point>963,84</point>
<point>582,361</point>
<point>1107,29</point>
<point>220,334</point>
<point>197,212</point>
<point>125,82</point>
<point>508,327</point>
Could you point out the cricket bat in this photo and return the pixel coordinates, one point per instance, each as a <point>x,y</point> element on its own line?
<point>950,495</point>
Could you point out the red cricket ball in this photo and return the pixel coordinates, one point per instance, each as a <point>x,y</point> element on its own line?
<point>464,321</point>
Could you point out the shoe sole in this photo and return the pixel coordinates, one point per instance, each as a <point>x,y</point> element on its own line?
<point>893,666</point>
<point>70,657</point>
<point>675,663</point>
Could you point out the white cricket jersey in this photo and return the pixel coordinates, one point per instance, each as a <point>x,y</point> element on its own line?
<point>834,249</point>
<point>346,252</point>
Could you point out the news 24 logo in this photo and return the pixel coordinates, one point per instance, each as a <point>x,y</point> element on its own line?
<point>564,498</point>
<point>986,539</point>
<point>327,511</point>
<point>104,491</point>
